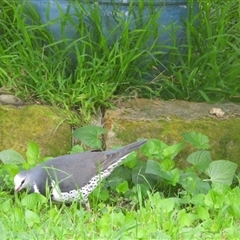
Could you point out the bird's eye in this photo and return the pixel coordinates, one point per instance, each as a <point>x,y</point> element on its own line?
<point>22,182</point>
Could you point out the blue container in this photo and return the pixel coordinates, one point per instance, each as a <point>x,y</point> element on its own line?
<point>170,22</point>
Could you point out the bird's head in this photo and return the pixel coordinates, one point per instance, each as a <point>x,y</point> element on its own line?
<point>23,180</point>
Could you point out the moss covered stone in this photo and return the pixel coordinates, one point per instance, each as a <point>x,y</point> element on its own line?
<point>142,118</point>
<point>41,124</point>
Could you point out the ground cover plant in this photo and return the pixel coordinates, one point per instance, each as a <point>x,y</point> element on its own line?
<point>142,199</point>
<point>39,68</point>
<point>152,198</point>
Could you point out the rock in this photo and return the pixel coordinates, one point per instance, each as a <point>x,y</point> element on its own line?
<point>217,111</point>
<point>166,120</point>
<point>6,99</point>
<point>41,124</point>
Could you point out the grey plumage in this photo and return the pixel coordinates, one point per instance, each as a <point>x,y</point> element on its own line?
<point>74,174</point>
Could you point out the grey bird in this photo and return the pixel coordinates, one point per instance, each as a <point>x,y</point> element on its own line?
<point>73,177</point>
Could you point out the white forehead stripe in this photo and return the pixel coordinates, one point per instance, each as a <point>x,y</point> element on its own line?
<point>17,181</point>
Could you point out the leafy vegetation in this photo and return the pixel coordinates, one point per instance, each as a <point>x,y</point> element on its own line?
<point>208,70</point>
<point>39,68</point>
<point>199,202</point>
<point>84,72</point>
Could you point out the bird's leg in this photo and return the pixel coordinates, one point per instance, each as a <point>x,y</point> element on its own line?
<point>87,205</point>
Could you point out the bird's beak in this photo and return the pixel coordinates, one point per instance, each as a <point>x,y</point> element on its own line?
<point>17,189</point>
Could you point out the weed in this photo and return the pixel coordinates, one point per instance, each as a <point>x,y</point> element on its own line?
<point>136,195</point>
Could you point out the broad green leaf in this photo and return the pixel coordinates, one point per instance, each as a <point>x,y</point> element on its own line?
<point>221,171</point>
<point>153,149</point>
<point>89,135</point>
<point>77,149</point>
<point>32,200</point>
<point>32,153</point>
<point>167,164</point>
<point>167,204</point>
<point>202,213</point>
<point>198,199</point>
<point>10,169</point>
<point>193,184</point>
<point>118,217</point>
<point>214,199</point>
<point>31,218</point>
<point>17,213</point>
<point>221,188</point>
<point>6,206</point>
<point>104,195</point>
<point>232,199</point>
<point>199,140</point>
<point>11,157</point>
<point>101,193</point>
<point>173,150</point>
<point>131,160</point>
<point>200,159</point>
<point>153,167</point>
<point>184,218</point>
<point>104,222</point>
<point>53,213</point>
<point>236,208</point>
<point>172,176</point>
<point>117,176</point>
<point>122,187</point>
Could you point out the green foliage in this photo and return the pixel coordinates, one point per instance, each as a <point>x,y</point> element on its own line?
<point>11,157</point>
<point>198,202</point>
<point>191,179</point>
<point>37,67</point>
<point>32,153</point>
<point>33,201</point>
<point>12,161</point>
<point>221,171</point>
<point>197,139</point>
<point>76,149</point>
<point>31,218</point>
<point>200,160</point>
<point>82,73</point>
<point>210,68</point>
<point>90,135</point>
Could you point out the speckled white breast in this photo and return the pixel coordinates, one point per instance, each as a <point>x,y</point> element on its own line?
<point>81,194</point>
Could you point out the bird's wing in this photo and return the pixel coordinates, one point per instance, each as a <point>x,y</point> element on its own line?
<point>74,170</point>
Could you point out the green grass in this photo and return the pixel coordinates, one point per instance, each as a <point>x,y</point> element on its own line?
<point>140,200</point>
<point>38,68</point>
<point>211,216</point>
<point>210,69</point>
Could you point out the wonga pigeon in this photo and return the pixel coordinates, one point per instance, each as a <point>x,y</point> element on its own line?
<point>73,176</point>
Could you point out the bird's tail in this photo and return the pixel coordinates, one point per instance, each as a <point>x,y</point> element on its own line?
<point>128,148</point>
